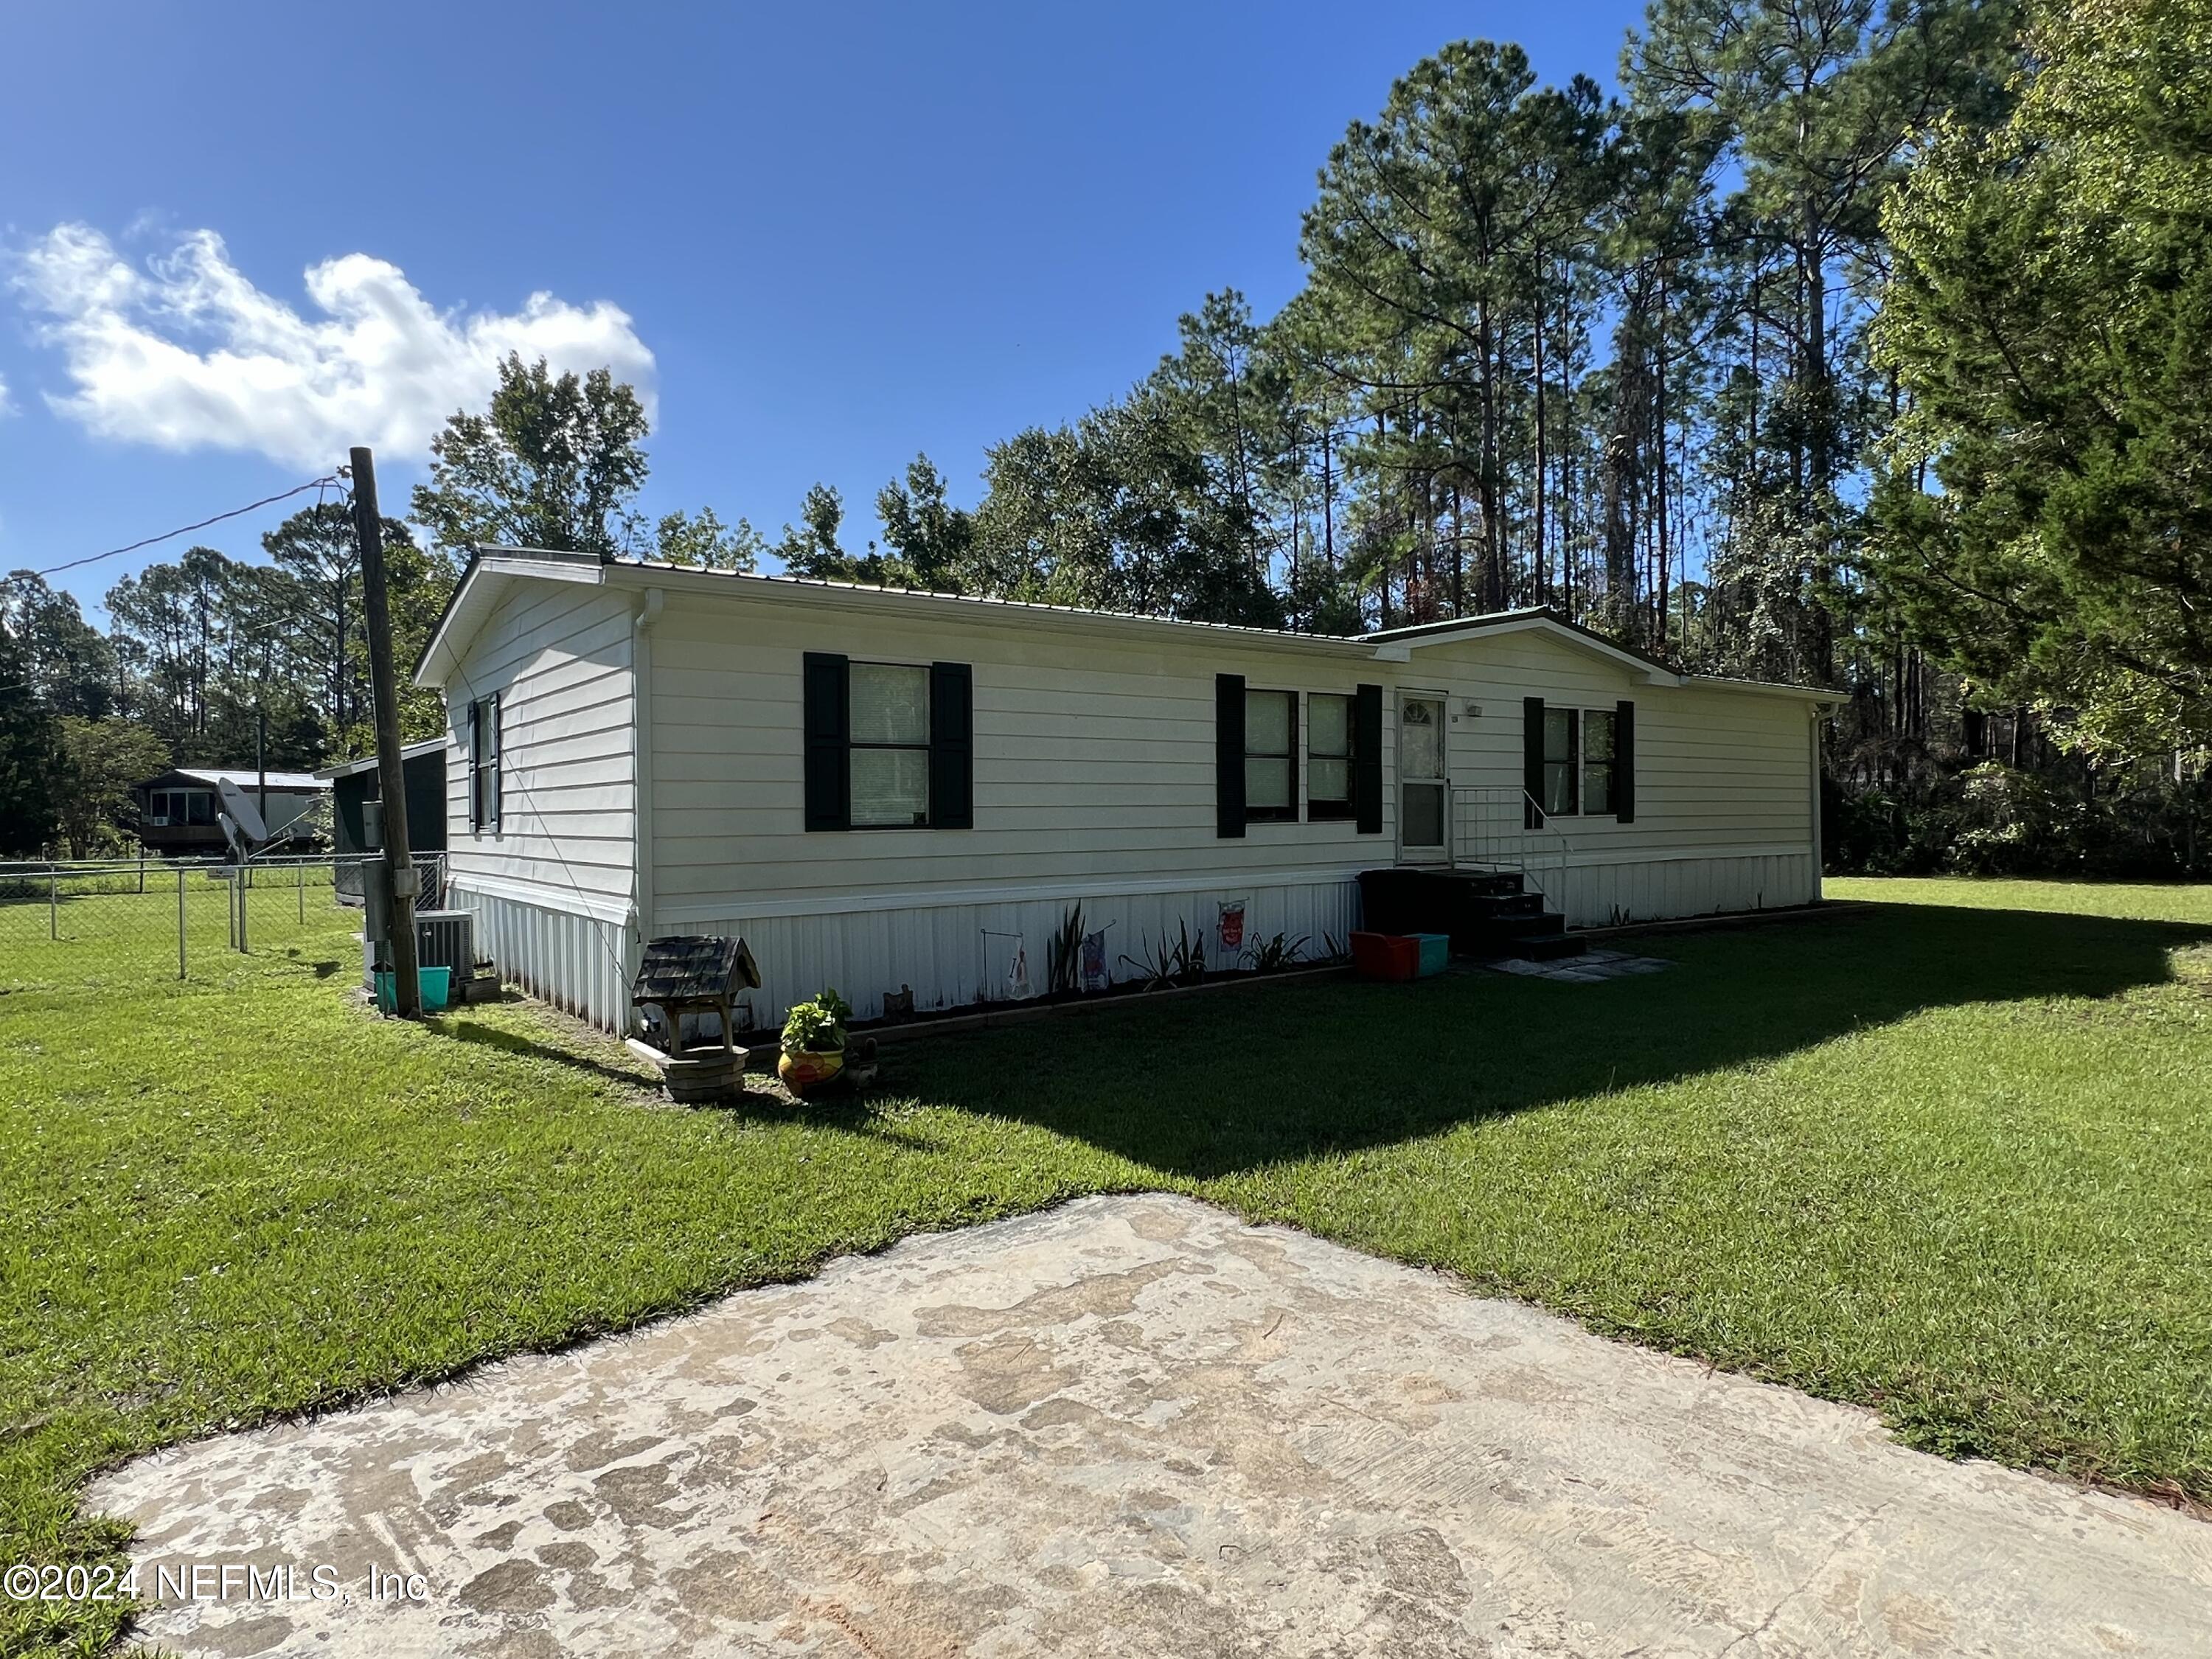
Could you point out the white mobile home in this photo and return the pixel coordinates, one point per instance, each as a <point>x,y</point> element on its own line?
<point>881,789</point>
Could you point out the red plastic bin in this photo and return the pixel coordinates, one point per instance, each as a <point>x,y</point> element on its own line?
<point>1385,955</point>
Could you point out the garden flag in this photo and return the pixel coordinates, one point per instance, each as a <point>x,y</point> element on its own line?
<point>1232,927</point>
<point>1094,961</point>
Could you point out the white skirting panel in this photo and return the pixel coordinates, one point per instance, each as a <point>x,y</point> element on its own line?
<point>1657,889</point>
<point>963,955</point>
<point>577,963</point>
<point>956,956</point>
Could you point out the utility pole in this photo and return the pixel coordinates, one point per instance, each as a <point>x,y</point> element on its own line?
<point>399,865</point>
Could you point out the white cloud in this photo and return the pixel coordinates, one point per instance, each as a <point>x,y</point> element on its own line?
<point>186,353</point>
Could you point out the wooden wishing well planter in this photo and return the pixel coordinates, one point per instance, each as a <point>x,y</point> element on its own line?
<point>692,974</point>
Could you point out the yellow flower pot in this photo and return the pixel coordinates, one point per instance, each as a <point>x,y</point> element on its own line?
<point>803,1071</point>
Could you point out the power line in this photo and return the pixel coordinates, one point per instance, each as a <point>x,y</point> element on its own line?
<point>324,482</point>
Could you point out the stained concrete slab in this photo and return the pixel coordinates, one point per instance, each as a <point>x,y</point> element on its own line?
<point>1591,968</point>
<point>1136,1426</point>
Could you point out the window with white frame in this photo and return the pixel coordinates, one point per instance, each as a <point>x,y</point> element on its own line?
<point>1271,788</point>
<point>1601,761</point>
<point>1562,751</point>
<point>889,744</point>
<point>1582,763</point>
<point>1330,727</point>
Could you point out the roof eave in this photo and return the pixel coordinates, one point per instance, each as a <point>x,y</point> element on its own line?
<point>488,570</point>
<point>960,607</point>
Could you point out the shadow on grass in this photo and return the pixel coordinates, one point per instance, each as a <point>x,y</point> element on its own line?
<point>843,1113</point>
<point>515,1042</point>
<point>1207,1087</point>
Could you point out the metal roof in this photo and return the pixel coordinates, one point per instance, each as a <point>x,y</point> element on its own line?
<point>1389,644</point>
<point>367,762</point>
<point>246,778</point>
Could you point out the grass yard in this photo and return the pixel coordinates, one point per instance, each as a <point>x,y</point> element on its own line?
<point>1950,1156</point>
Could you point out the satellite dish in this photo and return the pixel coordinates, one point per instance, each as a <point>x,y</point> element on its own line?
<point>243,824</point>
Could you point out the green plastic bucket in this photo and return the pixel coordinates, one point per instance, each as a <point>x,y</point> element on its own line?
<point>436,984</point>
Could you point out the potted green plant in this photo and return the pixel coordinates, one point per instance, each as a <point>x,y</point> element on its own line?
<point>813,1041</point>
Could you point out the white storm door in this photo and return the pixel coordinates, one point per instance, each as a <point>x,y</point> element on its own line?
<point>1424,792</point>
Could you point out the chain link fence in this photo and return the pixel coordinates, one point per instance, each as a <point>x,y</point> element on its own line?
<point>68,922</point>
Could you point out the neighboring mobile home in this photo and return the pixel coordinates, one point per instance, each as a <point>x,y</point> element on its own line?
<point>177,810</point>
<point>881,789</point>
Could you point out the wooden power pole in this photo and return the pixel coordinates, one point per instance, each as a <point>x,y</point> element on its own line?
<point>390,769</point>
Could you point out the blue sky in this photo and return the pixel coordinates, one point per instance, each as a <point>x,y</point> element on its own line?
<point>826,238</point>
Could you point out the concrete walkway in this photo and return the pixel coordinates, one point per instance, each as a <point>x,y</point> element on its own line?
<point>1135,1427</point>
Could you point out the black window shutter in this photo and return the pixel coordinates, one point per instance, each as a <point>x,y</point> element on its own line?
<point>1229,756</point>
<point>498,767</point>
<point>828,734</point>
<point>1367,760</point>
<point>1624,763</point>
<point>1532,759</point>
<point>951,747</point>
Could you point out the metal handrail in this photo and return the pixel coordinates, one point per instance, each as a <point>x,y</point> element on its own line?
<point>1504,827</point>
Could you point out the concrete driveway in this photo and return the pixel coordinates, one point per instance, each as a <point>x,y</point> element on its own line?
<point>1133,1426</point>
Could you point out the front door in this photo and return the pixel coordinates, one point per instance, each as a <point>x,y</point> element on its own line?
<point>1423,793</point>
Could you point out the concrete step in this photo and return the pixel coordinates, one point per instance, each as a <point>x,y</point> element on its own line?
<point>1546,947</point>
<point>1540,923</point>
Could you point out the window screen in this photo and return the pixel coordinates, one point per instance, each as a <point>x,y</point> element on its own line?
<point>1601,761</point>
<point>889,756</point>
<point>1559,747</point>
<point>1329,756</point>
<point>1270,790</point>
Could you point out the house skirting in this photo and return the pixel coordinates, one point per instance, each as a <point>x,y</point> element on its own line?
<point>580,963</point>
<point>974,953</point>
<point>1606,891</point>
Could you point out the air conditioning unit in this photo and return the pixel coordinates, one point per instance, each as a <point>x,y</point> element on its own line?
<point>162,822</point>
<point>446,939</point>
<point>443,939</point>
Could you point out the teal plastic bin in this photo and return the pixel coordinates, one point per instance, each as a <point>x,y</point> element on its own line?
<point>436,985</point>
<point>1436,953</point>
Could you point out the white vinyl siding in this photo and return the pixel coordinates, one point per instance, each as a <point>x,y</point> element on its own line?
<point>1716,767</point>
<point>558,657</point>
<point>1094,761</point>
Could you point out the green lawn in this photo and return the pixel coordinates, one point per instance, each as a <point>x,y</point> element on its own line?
<point>1950,1156</point>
